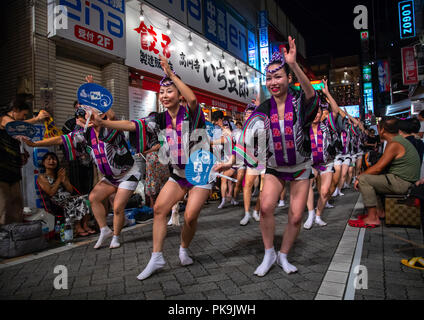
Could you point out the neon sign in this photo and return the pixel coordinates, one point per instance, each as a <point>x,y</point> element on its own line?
<point>406,19</point>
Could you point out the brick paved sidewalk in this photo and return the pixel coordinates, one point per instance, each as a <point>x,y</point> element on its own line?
<point>225,253</point>
<point>388,279</point>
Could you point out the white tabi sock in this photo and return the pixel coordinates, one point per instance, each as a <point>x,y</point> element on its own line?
<point>156,262</point>
<point>115,242</point>
<point>105,233</point>
<point>269,259</point>
<point>283,263</point>
<point>184,257</point>
<point>310,220</point>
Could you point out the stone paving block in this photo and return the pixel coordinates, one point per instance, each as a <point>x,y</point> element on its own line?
<point>188,297</point>
<point>258,295</point>
<point>77,291</point>
<point>332,289</point>
<point>229,287</point>
<point>214,295</point>
<point>338,266</point>
<point>325,297</point>
<point>336,276</point>
<point>201,287</point>
<point>41,295</point>
<point>310,286</point>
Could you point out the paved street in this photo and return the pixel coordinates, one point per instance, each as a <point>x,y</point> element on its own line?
<point>226,256</point>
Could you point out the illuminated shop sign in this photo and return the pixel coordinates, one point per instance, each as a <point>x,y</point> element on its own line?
<point>406,19</point>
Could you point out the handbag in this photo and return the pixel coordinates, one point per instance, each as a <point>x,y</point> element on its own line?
<point>18,239</point>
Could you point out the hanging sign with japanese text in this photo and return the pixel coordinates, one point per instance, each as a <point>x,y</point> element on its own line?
<point>147,39</point>
<point>98,24</point>
<point>409,66</point>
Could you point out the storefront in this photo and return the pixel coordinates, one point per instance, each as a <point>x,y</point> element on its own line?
<point>220,82</point>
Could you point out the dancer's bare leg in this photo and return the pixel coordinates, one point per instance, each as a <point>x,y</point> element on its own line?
<point>119,204</point>
<point>298,198</point>
<point>101,192</point>
<point>270,194</point>
<point>170,194</point>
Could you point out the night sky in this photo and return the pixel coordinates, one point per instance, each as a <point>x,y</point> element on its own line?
<point>327,26</point>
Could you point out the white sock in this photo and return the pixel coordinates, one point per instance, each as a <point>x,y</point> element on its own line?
<point>184,257</point>
<point>234,202</point>
<point>328,205</point>
<point>256,215</point>
<point>245,219</point>
<point>310,220</point>
<point>105,233</point>
<point>319,222</point>
<point>267,262</point>
<point>281,203</point>
<point>156,262</point>
<point>115,242</point>
<point>222,203</point>
<point>283,263</point>
<point>336,192</point>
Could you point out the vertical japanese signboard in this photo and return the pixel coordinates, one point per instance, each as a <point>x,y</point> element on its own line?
<point>409,66</point>
<point>384,76</point>
<point>263,42</point>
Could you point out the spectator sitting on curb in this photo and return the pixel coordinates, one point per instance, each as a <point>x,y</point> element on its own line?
<point>400,164</point>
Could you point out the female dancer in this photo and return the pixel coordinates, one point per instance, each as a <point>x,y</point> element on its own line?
<point>173,125</point>
<point>324,150</point>
<point>287,122</point>
<point>109,150</point>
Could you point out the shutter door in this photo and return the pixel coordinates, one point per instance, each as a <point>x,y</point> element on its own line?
<point>70,74</point>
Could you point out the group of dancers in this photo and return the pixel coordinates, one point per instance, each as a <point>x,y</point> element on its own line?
<point>288,139</point>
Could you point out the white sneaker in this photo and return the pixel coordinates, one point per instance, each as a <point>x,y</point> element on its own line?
<point>256,216</point>
<point>319,222</point>
<point>245,219</point>
<point>281,203</point>
<point>346,186</point>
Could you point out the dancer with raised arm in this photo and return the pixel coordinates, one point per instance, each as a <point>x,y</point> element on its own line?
<point>286,121</point>
<point>323,132</point>
<point>174,126</point>
<point>109,150</point>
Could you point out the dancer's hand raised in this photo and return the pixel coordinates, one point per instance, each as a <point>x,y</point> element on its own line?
<point>290,56</point>
<point>165,66</point>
